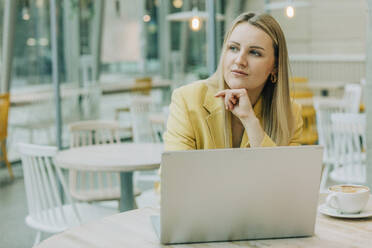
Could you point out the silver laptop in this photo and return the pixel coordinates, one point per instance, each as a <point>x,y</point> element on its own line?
<point>238,194</point>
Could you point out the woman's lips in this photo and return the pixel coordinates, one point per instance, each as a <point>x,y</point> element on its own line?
<point>239,73</point>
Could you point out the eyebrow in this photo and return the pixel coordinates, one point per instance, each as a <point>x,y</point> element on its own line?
<point>255,47</point>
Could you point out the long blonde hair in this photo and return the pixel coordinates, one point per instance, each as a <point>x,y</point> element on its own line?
<point>278,121</point>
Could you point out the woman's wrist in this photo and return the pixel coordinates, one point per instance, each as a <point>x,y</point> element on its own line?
<point>250,121</point>
<point>248,118</point>
<point>254,130</point>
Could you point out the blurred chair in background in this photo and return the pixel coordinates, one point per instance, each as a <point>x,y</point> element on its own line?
<point>46,213</point>
<point>352,97</point>
<point>143,132</point>
<point>159,123</point>
<point>302,93</point>
<point>350,148</point>
<point>37,119</point>
<point>324,109</point>
<point>140,109</point>
<point>4,111</point>
<point>298,80</point>
<point>88,185</point>
<point>143,85</point>
<point>122,116</point>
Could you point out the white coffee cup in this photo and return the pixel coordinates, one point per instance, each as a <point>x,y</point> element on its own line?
<point>347,198</point>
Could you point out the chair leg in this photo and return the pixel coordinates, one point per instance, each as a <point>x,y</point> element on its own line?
<point>3,151</point>
<point>37,238</point>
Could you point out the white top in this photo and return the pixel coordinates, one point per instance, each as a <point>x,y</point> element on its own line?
<point>112,158</point>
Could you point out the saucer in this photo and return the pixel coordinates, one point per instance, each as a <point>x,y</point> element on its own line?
<point>324,209</point>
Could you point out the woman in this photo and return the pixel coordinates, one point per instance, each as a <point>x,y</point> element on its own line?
<point>246,102</point>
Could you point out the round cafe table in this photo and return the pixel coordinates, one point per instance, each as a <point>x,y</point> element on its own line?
<point>124,158</point>
<point>134,229</point>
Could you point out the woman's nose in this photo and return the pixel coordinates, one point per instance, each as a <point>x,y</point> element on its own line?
<point>241,59</point>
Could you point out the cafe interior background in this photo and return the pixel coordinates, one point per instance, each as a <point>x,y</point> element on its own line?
<point>103,55</point>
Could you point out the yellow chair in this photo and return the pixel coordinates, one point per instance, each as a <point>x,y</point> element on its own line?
<point>143,85</point>
<point>309,133</point>
<point>4,110</point>
<point>298,80</point>
<point>301,90</point>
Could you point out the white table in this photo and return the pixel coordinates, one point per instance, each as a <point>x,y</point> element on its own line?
<point>124,158</point>
<point>124,85</point>
<point>134,229</point>
<point>44,95</point>
<point>326,87</point>
<point>309,102</point>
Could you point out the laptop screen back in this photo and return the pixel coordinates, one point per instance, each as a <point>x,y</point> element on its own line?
<point>238,194</point>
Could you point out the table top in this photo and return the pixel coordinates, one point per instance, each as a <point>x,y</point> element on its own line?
<point>125,85</point>
<point>329,85</point>
<point>112,157</point>
<point>134,229</point>
<point>47,93</point>
<point>332,101</point>
<point>42,95</point>
<point>158,118</point>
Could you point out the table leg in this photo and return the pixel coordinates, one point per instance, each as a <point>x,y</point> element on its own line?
<point>126,185</point>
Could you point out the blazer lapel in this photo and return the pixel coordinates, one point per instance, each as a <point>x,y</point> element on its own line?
<point>214,119</point>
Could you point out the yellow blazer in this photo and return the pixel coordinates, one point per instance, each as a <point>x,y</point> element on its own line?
<point>196,120</point>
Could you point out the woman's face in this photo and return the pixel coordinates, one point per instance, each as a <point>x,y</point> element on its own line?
<point>249,58</point>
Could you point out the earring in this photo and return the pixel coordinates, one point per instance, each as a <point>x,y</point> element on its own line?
<point>273,78</point>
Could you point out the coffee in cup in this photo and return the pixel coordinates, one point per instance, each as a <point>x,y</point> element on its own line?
<point>348,199</point>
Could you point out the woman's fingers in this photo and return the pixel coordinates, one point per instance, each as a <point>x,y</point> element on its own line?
<point>227,102</point>
<point>234,100</point>
<point>231,97</point>
<point>234,92</point>
<point>220,93</point>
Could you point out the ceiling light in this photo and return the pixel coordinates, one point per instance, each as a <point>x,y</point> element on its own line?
<point>177,3</point>
<point>146,18</point>
<point>289,11</point>
<point>31,42</point>
<point>195,23</point>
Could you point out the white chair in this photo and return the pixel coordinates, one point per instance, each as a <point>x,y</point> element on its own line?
<point>352,97</point>
<point>92,186</point>
<point>350,148</point>
<point>139,110</point>
<point>122,116</point>
<point>159,123</point>
<point>46,212</point>
<point>324,109</point>
<point>143,132</point>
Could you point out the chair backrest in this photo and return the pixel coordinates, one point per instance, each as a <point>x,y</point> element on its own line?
<point>93,133</point>
<point>352,96</point>
<point>141,125</point>
<point>350,146</point>
<point>88,185</point>
<point>41,184</point>
<point>324,109</point>
<point>143,85</point>
<point>4,110</point>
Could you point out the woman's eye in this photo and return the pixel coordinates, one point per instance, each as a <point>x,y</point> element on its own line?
<point>255,53</point>
<point>233,48</point>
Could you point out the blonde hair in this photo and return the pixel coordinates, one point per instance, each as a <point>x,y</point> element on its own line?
<point>278,121</point>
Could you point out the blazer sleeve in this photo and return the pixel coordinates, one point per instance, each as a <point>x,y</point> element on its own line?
<point>295,140</point>
<point>179,134</point>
